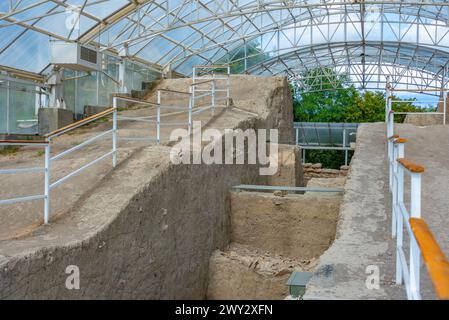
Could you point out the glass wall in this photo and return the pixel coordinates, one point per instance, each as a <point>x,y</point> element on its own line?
<point>3,107</point>
<point>18,107</point>
<point>81,89</point>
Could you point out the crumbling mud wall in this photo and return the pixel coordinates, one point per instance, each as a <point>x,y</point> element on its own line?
<point>147,231</point>
<point>301,226</point>
<point>244,273</point>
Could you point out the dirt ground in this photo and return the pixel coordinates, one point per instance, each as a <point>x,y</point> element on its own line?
<point>19,219</point>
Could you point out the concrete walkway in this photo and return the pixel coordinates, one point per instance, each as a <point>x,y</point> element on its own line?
<point>364,231</point>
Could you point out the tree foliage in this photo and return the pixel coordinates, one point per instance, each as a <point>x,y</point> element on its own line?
<point>330,97</point>
<point>341,102</point>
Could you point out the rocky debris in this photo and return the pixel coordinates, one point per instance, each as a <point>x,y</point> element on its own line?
<point>280,193</point>
<point>315,170</point>
<point>244,272</point>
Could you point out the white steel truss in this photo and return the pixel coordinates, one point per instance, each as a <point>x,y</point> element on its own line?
<point>407,40</point>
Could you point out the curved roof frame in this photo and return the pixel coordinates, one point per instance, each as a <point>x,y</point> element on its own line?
<point>369,71</point>
<point>182,33</point>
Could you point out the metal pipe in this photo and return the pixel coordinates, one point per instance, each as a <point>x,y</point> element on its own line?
<point>114,132</point>
<point>47,182</point>
<point>158,118</point>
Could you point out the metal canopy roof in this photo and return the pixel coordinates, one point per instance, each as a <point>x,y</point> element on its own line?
<point>407,40</point>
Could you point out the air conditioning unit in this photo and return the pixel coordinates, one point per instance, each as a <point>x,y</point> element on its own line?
<point>74,56</point>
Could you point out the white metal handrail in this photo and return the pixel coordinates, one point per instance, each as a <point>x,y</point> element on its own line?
<point>47,144</point>
<point>147,119</point>
<point>49,138</point>
<point>194,97</point>
<point>407,273</point>
<point>161,105</point>
<point>22,171</point>
<point>223,77</point>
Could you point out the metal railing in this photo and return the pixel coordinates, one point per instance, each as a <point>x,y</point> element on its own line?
<point>204,93</point>
<point>409,272</point>
<point>191,109</point>
<point>180,108</point>
<point>49,158</point>
<point>325,136</point>
<point>146,119</point>
<point>390,101</point>
<point>210,74</point>
<point>23,170</point>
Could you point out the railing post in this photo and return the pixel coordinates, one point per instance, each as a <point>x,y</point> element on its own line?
<point>399,224</point>
<point>394,183</point>
<point>158,117</point>
<point>114,132</point>
<point>47,182</point>
<point>444,106</point>
<point>213,97</point>
<point>344,146</point>
<point>228,91</point>
<point>415,212</point>
<point>191,90</point>
<point>398,152</point>
<point>297,136</point>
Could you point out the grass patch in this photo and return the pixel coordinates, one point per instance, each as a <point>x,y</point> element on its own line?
<point>40,153</point>
<point>9,150</point>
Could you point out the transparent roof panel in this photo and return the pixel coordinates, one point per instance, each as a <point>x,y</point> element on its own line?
<point>280,37</point>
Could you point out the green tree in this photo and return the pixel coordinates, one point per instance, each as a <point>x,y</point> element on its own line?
<point>330,97</point>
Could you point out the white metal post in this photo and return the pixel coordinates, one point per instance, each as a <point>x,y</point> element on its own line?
<point>228,91</point>
<point>191,90</point>
<point>397,153</point>
<point>158,118</point>
<point>297,136</point>
<point>387,111</point>
<point>213,97</point>
<point>114,132</point>
<point>415,212</point>
<point>394,183</point>
<point>47,182</point>
<point>444,106</point>
<point>344,145</point>
<point>399,224</point>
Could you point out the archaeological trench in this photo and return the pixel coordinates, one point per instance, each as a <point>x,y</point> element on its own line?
<point>151,229</point>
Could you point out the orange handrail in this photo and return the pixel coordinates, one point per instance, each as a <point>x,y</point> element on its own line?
<point>413,167</point>
<point>24,141</point>
<point>81,122</point>
<point>434,258</point>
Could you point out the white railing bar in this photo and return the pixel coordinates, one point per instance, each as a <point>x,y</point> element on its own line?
<point>140,119</point>
<point>201,82</point>
<point>405,273</point>
<point>144,102</point>
<point>137,138</point>
<point>77,171</point>
<point>425,113</point>
<point>210,90</point>
<point>83,144</point>
<point>22,170</point>
<point>175,91</point>
<point>21,199</point>
<point>203,95</point>
<point>170,124</point>
<point>174,107</point>
<point>202,109</point>
<point>419,101</point>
